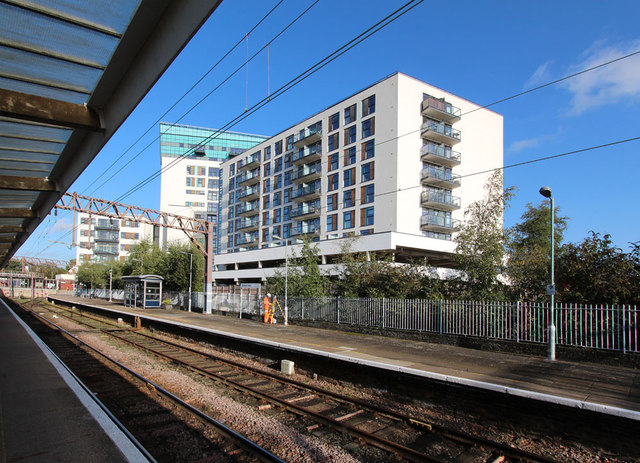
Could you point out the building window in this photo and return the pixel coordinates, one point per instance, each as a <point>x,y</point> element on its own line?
<point>287,160</point>
<point>333,141</point>
<point>202,170</point>
<point>265,218</point>
<point>278,148</point>
<point>332,222</point>
<point>367,172</point>
<point>367,150</point>
<point>287,213</point>
<point>200,182</point>
<point>267,169</point>
<point>366,216</point>
<point>368,127</point>
<point>278,182</point>
<point>350,114</point>
<point>333,161</point>
<point>287,195</point>
<point>214,172</point>
<point>276,199</point>
<point>333,182</point>
<point>277,215</point>
<point>191,170</point>
<point>213,183</point>
<point>347,220</point>
<point>289,142</point>
<point>334,122</point>
<point>349,198</point>
<point>367,194</point>
<point>332,202</point>
<point>287,178</point>
<point>191,181</point>
<point>349,177</point>
<point>267,153</point>
<point>266,185</point>
<point>350,135</point>
<point>278,166</point>
<point>266,201</point>
<point>368,105</point>
<point>350,156</point>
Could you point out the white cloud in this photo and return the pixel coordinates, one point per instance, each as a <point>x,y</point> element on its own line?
<point>612,84</point>
<point>540,76</point>
<point>521,145</point>
<point>62,225</point>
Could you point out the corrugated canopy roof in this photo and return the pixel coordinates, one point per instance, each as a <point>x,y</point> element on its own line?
<point>71,71</point>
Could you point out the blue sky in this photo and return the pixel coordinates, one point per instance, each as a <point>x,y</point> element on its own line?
<point>480,50</point>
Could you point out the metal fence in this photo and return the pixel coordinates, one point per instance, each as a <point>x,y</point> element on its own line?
<point>594,326</point>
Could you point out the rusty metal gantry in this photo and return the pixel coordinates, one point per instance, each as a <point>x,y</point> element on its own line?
<point>190,226</point>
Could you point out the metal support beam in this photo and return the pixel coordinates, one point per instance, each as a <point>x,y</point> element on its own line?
<point>13,182</point>
<point>11,229</point>
<point>12,212</point>
<point>40,109</point>
<point>7,239</point>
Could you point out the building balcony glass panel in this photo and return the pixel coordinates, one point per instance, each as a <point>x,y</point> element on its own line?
<point>440,178</point>
<point>306,173</point>
<point>107,224</point>
<point>439,224</point>
<point>440,154</point>
<point>106,236</point>
<point>304,210</point>
<point>438,108</point>
<point>110,250</point>
<point>248,209</point>
<point>307,137</point>
<point>247,194</point>
<point>306,155</point>
<point>250,178</point>
<point>439,200</point>
<point>246,238</point>
<point>247,224</point>
<point>306,192</point>
<point>304,228</point>
<point>250,162</point>
<point>440,133</point>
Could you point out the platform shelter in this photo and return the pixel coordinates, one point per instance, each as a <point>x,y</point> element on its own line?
<point>142,290</point>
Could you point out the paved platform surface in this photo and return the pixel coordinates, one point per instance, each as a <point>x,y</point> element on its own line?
<point>601,388</point>
<point>44,415</point>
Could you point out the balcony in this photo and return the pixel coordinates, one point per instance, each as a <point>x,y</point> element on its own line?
<point>305,210</point>
<point>250,162</point>
<point>247,224</point>
<point>248,209</point>
<point>439,224</point>
<point>307,192</point>
<point>439,178</point>
<point>305,229</point>
<point>107,225</point>
<point>307,155</point>
<point>439,109</point>
<point>440,133</point>
<point>249,193</point>
<point>246,238</point>
<point>438,200</point>
<point>306,173</point>
<point>103,237</point>
<point>307,137</point>
<point>440,155</point>
<point>109,250</point>
<point>250,178</point>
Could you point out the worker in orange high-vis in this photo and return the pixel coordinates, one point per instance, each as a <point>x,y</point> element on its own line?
<point>267,308</point>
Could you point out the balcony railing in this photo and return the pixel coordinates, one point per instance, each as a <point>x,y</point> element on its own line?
<point>249,178</point>
<point>305,209</point>
<point>250,162</point>
<point>247,209</point>
<point>439,177</point>
<point>441,110</point>
<point>439,200</point>
<point>246,238</point>
<point>106,237</point>
<point>307,137</point>
<point>107,226</point>
<point>440,224</point>
<point>441,132</point>
<point>249,193</point>
<point>106,250</point>
<point>308,154</point>
<point>247,223</point>
<point>306,173</point>
<point>305,229</point>
<point>309,190</point>
<point>440,154</point>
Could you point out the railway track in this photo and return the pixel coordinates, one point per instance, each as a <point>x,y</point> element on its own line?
<point>407,438</point>
<point>164,427</point>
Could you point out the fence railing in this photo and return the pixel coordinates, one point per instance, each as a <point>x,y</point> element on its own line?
<point>605,327</point>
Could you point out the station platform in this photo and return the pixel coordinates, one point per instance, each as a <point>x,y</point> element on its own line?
<point>45,414</point>
<point>610,390</point>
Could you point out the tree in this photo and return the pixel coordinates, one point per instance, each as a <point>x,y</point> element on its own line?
<point>175,268</point>
<point>529,251</point>
<point>303,277</point>
<point>480,243</point>
<point>595,271</point>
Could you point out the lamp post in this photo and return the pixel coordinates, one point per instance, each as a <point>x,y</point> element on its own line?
<point>551,289</point>
<point>110,280</point>
<point>190,275</point>
<point>286,279</point>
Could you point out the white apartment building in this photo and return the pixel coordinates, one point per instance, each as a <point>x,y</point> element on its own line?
<point>386,168</point>
<point>103,239</point>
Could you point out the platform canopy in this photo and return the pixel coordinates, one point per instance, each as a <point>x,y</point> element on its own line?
<point>71,72</point>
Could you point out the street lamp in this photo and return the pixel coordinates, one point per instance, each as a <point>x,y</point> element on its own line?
<point>190,274</point>
<point>551,289</point>
<point>286,279</point>
<point>110,280</point>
